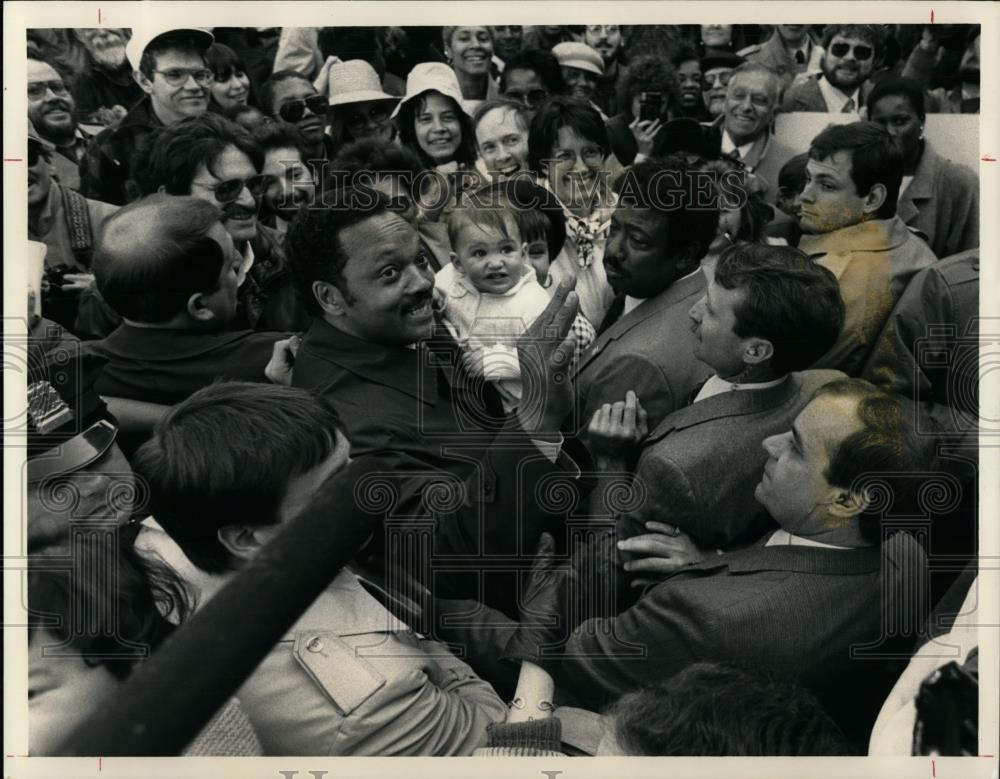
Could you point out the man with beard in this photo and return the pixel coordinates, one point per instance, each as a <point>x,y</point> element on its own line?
<point>849,53</point>
<point>70,226</point>
<point>291,184</point>
<point>790,51</point>
<point>211,158</point>
<point>652,261</point>
<point>169,66</point>
<point>608,41</point>
<point>376,350</point>
<point>53,113</point>
<point>104,89</point>
<point>716,71</point>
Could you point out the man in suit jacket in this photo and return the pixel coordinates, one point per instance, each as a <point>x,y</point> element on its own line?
<point>645,343</point>
<point>849,212</point>
<point>849,53</point>
<point>790,51</point>
<point>403,392</point>
<point>767,311</point>
<point>807,601</point>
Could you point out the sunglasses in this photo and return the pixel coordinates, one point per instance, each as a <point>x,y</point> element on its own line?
<point>37,89</point>
<point>713,79</point>
<point>177,77</point>
<point>357,120</point>
<point>294,110</point>
<point>229,191</point>
<point>530,99</point>
<point>861,53</point>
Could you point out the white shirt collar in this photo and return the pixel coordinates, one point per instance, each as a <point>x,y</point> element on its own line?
<point>248,258</point>
<point>784,538</point>
<point>717,385</point>
<point>835,99</point>
<point>728,145</point>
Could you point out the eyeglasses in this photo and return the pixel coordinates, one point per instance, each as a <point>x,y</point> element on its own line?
<point>294,110</point>
<point>357,120</point>
<point>713,79</point>
<point>531,99</point>
<point>177,77</point>
<point>861,53</point>
<point>37,89</point>
<point>230,191</point>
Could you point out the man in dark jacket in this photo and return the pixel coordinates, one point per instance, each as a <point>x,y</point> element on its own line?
<point>169,66</point>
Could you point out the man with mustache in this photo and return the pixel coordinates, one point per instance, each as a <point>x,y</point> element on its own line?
<point>376,350</point>
<point>849,54</point>
<point>169,66</point>
<point>104,90</point>
<point>608,40</point>
<point>717,69</point>
<point>52,111</point>
<point>652,261</point>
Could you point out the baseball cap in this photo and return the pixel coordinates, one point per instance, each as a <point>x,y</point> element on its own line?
<point>143,36</point>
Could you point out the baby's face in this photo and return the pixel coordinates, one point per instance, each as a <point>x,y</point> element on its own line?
<point>538,256</point>
<point>493,262</point>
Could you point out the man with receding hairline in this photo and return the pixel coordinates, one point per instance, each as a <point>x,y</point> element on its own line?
<point>168,266</point>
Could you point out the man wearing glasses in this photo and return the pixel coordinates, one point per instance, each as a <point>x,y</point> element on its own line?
<point>716,70</point>
<point>169,66</point>
<point>52,111</point>
<point>848,61</point>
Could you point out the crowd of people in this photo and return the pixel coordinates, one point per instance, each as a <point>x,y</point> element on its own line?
<point>656,399</point>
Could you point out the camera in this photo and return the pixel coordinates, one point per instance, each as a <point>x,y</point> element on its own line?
<point>650,105</point>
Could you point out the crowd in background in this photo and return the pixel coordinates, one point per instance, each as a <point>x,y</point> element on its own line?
<point>507,265</point>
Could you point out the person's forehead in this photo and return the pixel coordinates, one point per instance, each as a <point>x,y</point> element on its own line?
<point>826,421</point>
<point>724,301</point>
<point>649,220</point>
<point>382,236</point>
<point>752,82</point>
<point>523,77</point>
<point>232,163</point>
<point>837,165</point>
<point>42,71</point>
<point>178,58</point>
<point>571,138</point>
<point>470,31</point>
<point>498,121</point>
<point>854,40</point>
<point>718,71</point>
<point>892,104</point>
<point>280,159</point>
<point>435,102</point>
<point>471,233</point>
<point>689,66</point>
<point>293,89</point>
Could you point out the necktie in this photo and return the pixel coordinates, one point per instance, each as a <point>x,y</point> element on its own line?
<point>848,106</point>
<point>800,58</point>
<point>614,313</point>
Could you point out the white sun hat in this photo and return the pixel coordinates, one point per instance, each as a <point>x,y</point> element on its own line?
<point>431,77</point>
<point>355,81</point>
<point>143,36</point>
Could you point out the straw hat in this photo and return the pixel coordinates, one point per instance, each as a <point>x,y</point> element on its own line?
<point>580,56</point>
<point>431,77</point>
<point>143,36</point>
<point>355,81</point>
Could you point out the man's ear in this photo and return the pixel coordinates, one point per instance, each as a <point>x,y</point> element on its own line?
<point>199,309</point>
<point>239,540</point>
<point>757,351</point>
<point>875,199</point>
<point>330,298</point>
<point>144,83</point>
<point>847,504</point>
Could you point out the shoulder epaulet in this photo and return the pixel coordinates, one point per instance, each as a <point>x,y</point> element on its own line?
<point>348,680</point>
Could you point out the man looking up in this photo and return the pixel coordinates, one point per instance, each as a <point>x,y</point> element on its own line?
<point>169,66</point>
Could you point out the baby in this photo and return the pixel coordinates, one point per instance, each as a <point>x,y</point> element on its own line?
<point>490,293</point>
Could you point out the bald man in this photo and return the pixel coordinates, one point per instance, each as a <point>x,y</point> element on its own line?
<point>168,266</point>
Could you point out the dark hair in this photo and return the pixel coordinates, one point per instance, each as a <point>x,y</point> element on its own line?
<point>249,117</point>
<point>789,300</point>
<point>540,61</point>
<point>792,176</point>
<point>174,40</point>
<point>175,153</point>
<point>647,74</point>
<point>685,52</point>
<point>61,69</point>
<point>155,254</point>
<point>223,62</point>
<point>728,175</point>
<point>271,134</point>
<point>667,185</point>
<point>405,121</point>
<point>553,115</point>
<point>887,450</point>
<point>312,243</point>
<point>375,156</point>
<point>875,159</point>
<point>891,85</point>
<point>866,32</point>
<point>118,611</point>
<point>533,225</point>
<point>207,468</point>
<point>269,87</point>
<point>719,710</point>
<point>353,43</point>
<point>486,216</point>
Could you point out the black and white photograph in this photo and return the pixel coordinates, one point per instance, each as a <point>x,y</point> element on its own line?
<point>512,391</point>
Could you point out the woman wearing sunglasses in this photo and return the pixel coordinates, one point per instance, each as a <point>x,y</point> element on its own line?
<point>292,98</point>
<point>359,108</point>
<point>230,86</point>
